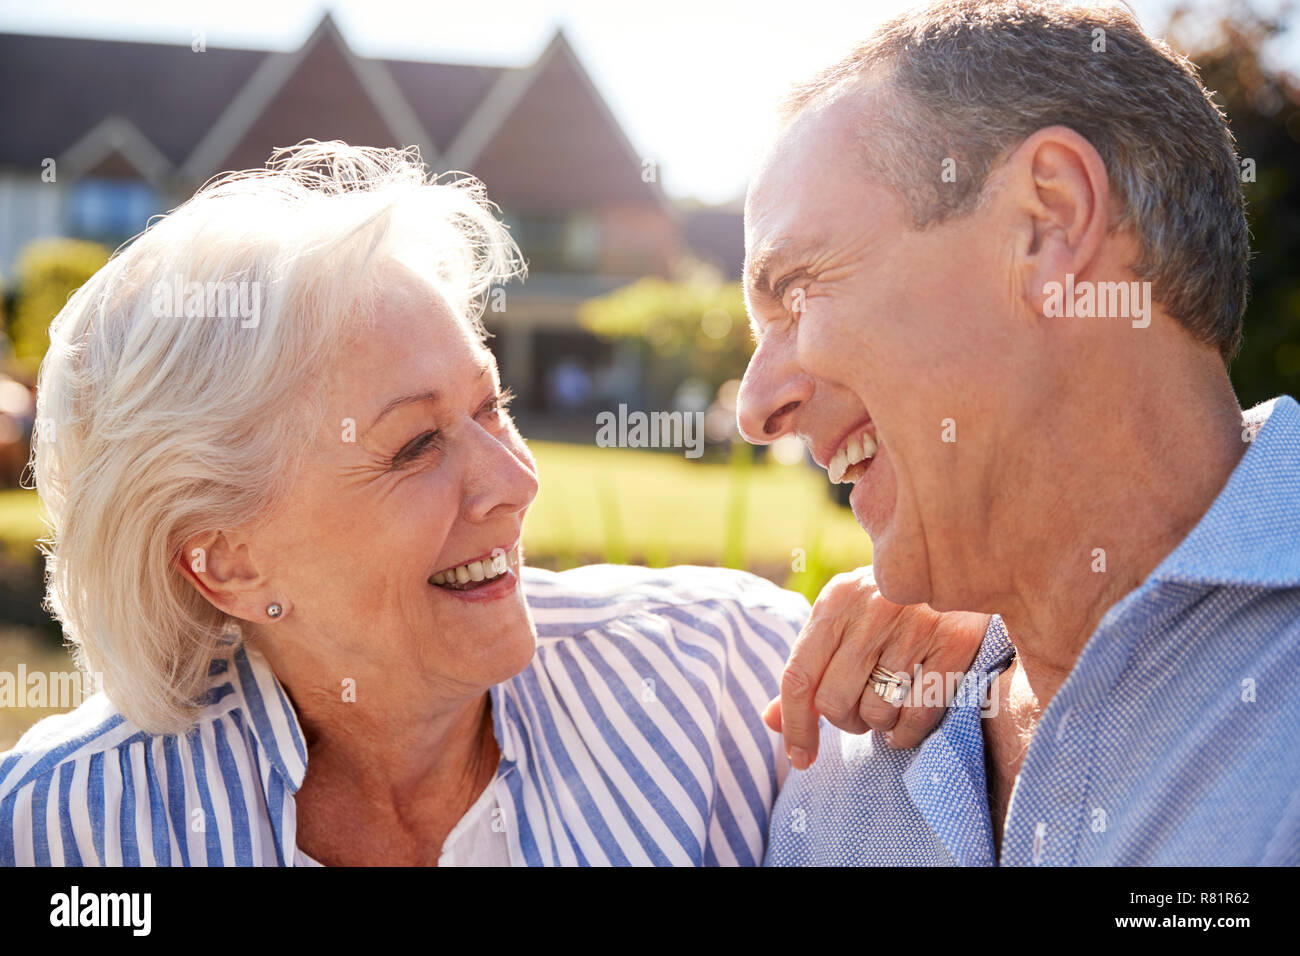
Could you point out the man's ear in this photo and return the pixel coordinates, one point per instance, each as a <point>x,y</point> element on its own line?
<point>1059,186</point>
<point>222,569</point>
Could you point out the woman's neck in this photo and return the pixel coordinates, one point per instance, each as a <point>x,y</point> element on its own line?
<point>407,756</point>
<point>388,795</point>
<point>394,759</point>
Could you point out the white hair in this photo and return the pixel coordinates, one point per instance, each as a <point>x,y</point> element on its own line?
<point>153,427</point>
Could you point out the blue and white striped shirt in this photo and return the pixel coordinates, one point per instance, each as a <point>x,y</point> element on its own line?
<point>633,737</point>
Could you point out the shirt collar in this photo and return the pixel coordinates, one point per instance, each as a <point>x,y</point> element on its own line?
<point>945,778</point>
<point>246,683</point>
<point>1248,536</point>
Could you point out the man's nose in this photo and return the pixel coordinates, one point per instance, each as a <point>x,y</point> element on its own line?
<point>770,393</point>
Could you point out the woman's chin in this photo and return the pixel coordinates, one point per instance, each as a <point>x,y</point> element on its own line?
<point>512,650</point>
<point>496,628</point>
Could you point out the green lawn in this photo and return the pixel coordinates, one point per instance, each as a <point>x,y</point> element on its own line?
<point>621,505</point>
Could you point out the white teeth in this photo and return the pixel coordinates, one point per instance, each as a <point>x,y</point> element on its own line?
<point>857,448</point>
<point>483,570</point>
<point>837,467</point>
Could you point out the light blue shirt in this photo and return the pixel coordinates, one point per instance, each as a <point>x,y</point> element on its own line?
<point>633,737</point>
<point>1175,740</point>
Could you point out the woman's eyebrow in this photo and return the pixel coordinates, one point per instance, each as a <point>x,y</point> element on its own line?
<point>428,395</point>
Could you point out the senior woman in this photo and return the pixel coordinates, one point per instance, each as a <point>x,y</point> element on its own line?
<point>286,501</point>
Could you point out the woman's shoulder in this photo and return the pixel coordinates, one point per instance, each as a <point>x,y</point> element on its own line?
<point>603,593</point>
<point>49,744</point>
<point>635,733</point>
<point>91,786</point>
<point>54,766</point>
<point>95,728</point>
<point>725,633</point>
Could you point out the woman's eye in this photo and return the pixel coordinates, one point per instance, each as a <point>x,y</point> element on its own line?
<point>414,448</point>
<point>500,402</point>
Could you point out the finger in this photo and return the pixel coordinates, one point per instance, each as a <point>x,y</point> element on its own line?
<point>772,714</point>
<point>839,695</point>
<point>803,671</point>
<point>902,647</point>
<point>954,646</point>
<point>878,712</point>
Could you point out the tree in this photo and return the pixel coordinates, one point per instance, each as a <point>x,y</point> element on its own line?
<point>1263,108</point>
<point>692,328</point>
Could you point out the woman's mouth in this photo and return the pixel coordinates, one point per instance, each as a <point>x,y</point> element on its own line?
<point>479,573</point>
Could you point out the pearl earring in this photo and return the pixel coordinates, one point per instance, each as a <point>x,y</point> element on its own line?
<point>274,611</point>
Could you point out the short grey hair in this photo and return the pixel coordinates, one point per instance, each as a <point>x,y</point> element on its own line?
<point>153,428</point>
<point>972,79</point>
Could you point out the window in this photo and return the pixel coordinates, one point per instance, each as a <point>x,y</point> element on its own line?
<point>110,209</point>
<point>557,243</point>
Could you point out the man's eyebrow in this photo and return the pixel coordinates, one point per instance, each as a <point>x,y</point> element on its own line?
<point>771,258</point>
<point>428,395</point>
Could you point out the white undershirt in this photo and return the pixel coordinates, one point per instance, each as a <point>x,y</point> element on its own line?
<point>473,841</point>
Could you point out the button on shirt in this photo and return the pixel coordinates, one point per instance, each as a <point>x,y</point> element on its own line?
<point>1172,741</point>
<point>634,736</point>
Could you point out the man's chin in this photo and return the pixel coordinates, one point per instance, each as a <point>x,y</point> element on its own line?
<point>898,581</point>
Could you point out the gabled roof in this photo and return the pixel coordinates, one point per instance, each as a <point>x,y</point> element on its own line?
<point>551,113</point>
<point>116,147</point>
<point>444,95</point>
<point>541,136</point>
<point>320,91</point>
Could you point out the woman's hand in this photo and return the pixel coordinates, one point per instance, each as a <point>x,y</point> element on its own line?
<point>853,629</point>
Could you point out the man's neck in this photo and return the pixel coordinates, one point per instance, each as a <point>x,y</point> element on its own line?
<point>1161,452</point>
<point>1106,521</point>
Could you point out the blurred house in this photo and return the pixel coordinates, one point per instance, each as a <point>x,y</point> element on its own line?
<point>100,135</point>
<point>716,235</point>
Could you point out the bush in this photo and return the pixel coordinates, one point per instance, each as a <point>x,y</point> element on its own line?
<point>47,273</point>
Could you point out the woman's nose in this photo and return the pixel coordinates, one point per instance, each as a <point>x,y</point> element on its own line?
<point>771,392</point>
<point>503,480</point>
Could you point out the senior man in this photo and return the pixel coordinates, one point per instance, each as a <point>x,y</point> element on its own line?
<point>935,244</point>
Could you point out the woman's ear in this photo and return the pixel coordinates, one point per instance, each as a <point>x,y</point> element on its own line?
<point>1059,186</point>
<point>222,569</point>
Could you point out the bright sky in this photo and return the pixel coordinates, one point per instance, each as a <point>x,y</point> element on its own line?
<point>692,81</point>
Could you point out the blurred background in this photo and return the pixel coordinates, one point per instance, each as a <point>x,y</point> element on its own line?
<point>617,140</point>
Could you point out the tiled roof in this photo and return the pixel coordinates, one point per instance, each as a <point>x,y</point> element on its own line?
<point>56,89</point>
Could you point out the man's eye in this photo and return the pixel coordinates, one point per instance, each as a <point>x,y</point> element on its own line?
<point>795,301</point>
<point>414,448</point>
